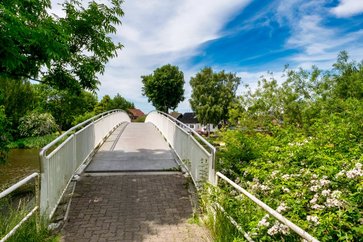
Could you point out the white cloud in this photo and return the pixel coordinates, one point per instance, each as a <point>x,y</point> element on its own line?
<point>317,43</point>
<point>348,8</point>
<point>157,32</point>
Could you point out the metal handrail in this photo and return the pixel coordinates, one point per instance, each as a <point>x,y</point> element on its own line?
<point>56,140</point>
<point>198,144</point>
<point>212,148</point>
<point>14,187</point>
<point>71,155</point>
<point>268,209</point>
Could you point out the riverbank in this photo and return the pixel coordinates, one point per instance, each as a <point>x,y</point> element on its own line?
<point>32,142</point>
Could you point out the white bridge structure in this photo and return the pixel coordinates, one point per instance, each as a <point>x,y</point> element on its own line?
<point>109,142</point>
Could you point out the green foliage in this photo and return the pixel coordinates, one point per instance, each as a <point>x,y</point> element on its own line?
<point>33,41</point>
<point>26,232</point>
<point>63,104</point>
<point>212,95</point>
<point>83,117</point>
<point>298,147</point>
<point>164,88</point>
<point>117,102</point>
<point>140,119</point>
<point>4,136</point>
<point>37,124</point>
<point>32,142</point>
<point>17,97</point>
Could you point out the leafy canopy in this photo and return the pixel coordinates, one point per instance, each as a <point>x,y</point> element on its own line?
<point>212,95</point>
<point>68,52</point>
<point>164,88</point>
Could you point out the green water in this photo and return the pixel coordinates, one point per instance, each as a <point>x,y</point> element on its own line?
<point>20,163</point>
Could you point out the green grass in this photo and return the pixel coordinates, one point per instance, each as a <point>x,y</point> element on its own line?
<point>32,142</point>
<point>10,216</point>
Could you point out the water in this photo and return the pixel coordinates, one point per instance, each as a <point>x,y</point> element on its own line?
<point>20,163</point>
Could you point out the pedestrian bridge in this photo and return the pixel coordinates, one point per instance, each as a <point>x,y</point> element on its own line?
<point>130,180</point>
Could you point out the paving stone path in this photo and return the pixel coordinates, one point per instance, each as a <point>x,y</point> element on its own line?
<point>132,207</point>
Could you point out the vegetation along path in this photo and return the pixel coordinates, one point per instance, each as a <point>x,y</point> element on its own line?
<point>118,199</point>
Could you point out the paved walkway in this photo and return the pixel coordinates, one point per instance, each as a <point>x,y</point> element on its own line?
<point>107,206</point>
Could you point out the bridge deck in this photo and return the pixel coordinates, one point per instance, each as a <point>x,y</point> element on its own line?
<point>134,147</point>
<point>133,206</point>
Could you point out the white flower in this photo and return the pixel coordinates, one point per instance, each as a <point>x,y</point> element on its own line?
<point>285,189</point>
<point>314,188</point>
<point>282,208</point>
<point>323,182</point>
<point>256,180</point>
<point>313,219</point>
<point>264,188</point>
<point>314,176</point>
<point>358,166</point>
<point>263,222</point>
<point>255,187</point>
<point>325,193</point>
<point>278,228</point>
<point>333,202</point>
<point>315,199</point>
<point>317,207</point>
<point>354,173</point>
<point>285,177</point>
<point>273,230</point>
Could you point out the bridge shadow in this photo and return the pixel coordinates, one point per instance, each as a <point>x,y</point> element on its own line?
<point>137,160</point>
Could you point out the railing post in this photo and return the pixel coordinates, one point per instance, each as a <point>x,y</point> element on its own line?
<point>37,203</point>
<point>44,166</point>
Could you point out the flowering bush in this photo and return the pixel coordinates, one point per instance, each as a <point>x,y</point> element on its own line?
<point>315,181</point>
<point>35,124</point>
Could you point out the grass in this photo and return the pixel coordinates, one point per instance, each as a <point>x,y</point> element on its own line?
<point>32,142</point>
<point>11,215</point>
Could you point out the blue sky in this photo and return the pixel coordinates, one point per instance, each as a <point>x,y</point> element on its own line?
<point>245,37</point>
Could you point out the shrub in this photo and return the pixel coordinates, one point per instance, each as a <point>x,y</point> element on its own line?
<point>35,124</point>
<point>4,136</point>
<point>83,117</point>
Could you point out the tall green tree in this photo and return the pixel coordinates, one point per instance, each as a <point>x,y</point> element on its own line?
<point>164,88</point>
<point>212,95</point>
<point>65,52</point>
<point>119,102</point>
<point>17,97</point>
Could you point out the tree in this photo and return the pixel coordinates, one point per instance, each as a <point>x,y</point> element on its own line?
<point>164,88</point>
<point>212,94</point>
<point>17,97</point>
<point>64,105</point>
<point>64,52</point>
<point>119,102</point>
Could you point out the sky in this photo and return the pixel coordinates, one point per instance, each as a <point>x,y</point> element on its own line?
<point>244,37</point>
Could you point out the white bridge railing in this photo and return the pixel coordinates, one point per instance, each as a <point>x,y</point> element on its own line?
<point>197,157</point>
<point>76,147</point>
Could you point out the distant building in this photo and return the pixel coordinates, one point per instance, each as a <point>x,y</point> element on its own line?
<point>190,119</point>
<point>135,113</point>
<point>175,115</point>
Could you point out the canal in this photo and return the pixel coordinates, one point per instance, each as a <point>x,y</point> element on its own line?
<point>20,163</point>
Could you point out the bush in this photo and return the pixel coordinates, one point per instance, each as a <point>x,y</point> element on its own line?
<point>4,136</point>
<point>83,117</point>
<point>35,124</point>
